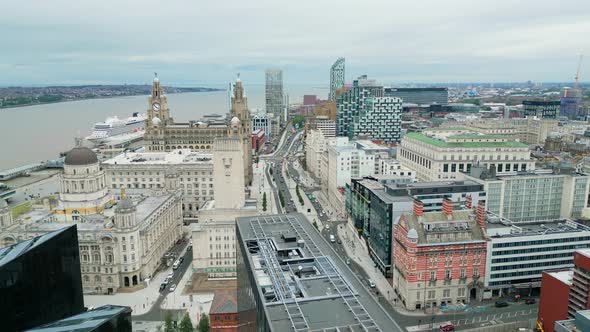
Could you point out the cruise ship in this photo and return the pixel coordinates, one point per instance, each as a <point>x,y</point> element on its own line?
<point>113,126</point>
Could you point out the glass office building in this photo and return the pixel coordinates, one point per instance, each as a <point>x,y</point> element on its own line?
<point>108,318</point>
<point>40,280</point>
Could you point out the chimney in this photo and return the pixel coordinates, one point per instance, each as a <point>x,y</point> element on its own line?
<point>480,216</point>
<point>468,202</point>
<point>447,207</point>
<point>418,209</point>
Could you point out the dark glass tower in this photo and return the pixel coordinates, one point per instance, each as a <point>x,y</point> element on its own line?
<point>40,280</point>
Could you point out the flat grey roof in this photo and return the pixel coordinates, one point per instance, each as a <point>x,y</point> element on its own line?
<point>328,288</point>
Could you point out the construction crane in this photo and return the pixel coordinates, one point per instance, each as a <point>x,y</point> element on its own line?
<point>576,91</point>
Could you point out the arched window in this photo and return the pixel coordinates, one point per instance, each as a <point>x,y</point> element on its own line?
<point>85,258</point>
<point>96,257</point>
<point>96,278</point>
<point>86,279</point>
<point>110,280</point>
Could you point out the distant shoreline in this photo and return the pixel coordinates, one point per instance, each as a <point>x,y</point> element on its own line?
<point>102,97</point>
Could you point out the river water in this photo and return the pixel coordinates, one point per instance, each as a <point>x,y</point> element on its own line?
<point>37,133</point>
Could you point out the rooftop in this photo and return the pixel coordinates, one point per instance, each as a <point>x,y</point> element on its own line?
<point>302,282</point>
<point>85,322</point>
<point>436,228</point>
<point>182,156</point>
<point>463,141</point>
<point>497,227</point>
<point>224,302</point>
<point>563,276</point>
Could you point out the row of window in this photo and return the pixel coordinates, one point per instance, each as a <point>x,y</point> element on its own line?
<point>530,265</point>
<point>538,242</point>
<point>535,250</point>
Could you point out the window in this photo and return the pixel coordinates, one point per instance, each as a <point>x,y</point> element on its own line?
<point>448,274</point>
<point>431,294</point>
<point>432,275</point>
<point>463,273</point>
<point>446,293</point>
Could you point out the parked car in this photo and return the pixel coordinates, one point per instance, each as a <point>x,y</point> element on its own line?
<point>173,287</point>
<point>162,286</point>
<point>530,301</point>
<point>501,304</point>
<point>180,260</point>
<point>447,327</point>
<point>332,238</point>
<point>339,241</point>
<point>371,283</point>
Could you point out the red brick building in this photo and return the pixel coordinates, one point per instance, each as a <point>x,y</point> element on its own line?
<point>258,139</point>
<point>223,314</point>
<point>439,257</point>
<point>555,290</point>
<point>563,293</point>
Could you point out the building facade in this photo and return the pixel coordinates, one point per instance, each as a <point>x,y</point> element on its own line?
<point>555,290</point>
<point>443,154</point>
<point>541,109</point>
<point>518,253</point>
<point>188,171</point>
<point>40,280</point>
<point>534,195</point>
<point>223,314</point>
<point>163,134</point>
<point>392,166</point>
<point>375,205</point>
<point>350,103</point>
<point>439,257</point>
<point>262,121</point>
<point>419,96</point>
<point>380,119</point>
<point>258,139</point>
<point>274,95</point>
<point>337,77</point>
<point>325,125</point>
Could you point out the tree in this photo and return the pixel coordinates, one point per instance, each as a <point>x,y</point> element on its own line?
<point>186,325</point>
<point>264,202</point>
<point>168,323</point>
<point>203,323</point>
<point>281,198</point>
<point>270,170</point>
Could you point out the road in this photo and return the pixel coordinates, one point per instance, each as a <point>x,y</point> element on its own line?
<point>156,313</point>
<point>485,315</point>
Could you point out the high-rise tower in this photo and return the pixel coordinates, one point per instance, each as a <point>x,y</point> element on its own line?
<point>336,77</point>
<point>274,92</point>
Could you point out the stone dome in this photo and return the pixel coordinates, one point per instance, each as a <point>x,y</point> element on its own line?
<point>125,206</point>
<point>3,203</point>
<point>81,156</point>
<point>412,234</point>
<point>156,80</point>
<point>235,121</point>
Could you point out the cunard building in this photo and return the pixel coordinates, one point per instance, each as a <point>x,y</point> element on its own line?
<point>163,134</point>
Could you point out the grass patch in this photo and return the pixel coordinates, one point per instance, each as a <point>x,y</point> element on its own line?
<point>21,209</point>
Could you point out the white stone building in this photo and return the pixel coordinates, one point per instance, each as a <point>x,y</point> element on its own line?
<point>193,172</point>
<point>392,166</point>
<point>120,246</point>
<point>82,186</point>
<point>325,125</point>
<point>443,154</point>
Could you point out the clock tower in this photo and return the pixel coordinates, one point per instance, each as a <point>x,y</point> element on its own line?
<point>158,112</point>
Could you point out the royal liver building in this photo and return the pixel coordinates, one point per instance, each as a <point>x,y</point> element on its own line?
<point>163,134</point>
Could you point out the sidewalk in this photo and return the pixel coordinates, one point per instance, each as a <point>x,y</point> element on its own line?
<point>200,303</point>
<point>357,250</point>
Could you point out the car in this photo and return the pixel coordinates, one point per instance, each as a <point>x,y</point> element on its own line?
<point>530,301</point>
<point>327,226</point>
<point>166,280</point>
<point>180,260</point>
<point>162,286</point>
<point>371,283</point>
<point>447,327</point>
<point>170,275</point>
<point>348,261</point>
<point>332,238</point>
<point>339,241</point>
<point>173,287</point>
<point>501,304</point>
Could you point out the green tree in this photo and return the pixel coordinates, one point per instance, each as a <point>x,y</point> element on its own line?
<point>281,198</point>
<point>203,323</point>
<point>298,121</point>
<point>186,325</point>
<point>168,323</point>
<point>264,202</point>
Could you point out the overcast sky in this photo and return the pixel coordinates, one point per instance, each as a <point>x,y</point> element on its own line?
<point>207,41</point>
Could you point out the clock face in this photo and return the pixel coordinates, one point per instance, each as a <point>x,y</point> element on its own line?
<point>156,107</point>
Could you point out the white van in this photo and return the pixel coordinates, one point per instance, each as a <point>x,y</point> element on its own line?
<point>176,265</point>
<point>332,238</point>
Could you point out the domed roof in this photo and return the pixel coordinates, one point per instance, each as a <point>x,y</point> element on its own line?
<point>235,120</point>
<point>3,203</point>
<point>125,205</point>
<point>412,234</point>
<point>81,156</point>
<point>156,80</point>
